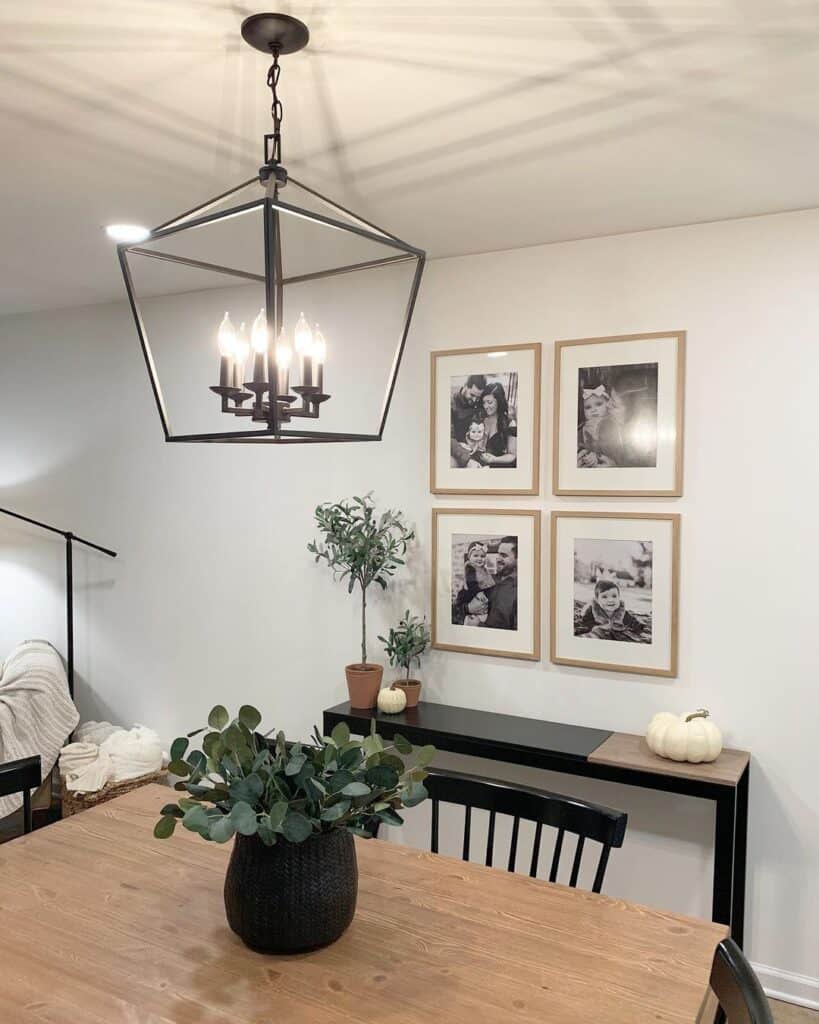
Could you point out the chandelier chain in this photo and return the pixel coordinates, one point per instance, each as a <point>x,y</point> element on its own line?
<point>276,109</point>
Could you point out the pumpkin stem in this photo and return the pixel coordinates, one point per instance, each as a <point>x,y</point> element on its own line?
<point>699,713</point>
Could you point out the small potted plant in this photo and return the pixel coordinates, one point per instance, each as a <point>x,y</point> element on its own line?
<point>292,879</point>
<point>361,547</point>
<point>405,644</point>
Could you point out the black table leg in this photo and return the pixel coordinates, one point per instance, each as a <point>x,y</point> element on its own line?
<point>724,833</point>
<point>740,853</point>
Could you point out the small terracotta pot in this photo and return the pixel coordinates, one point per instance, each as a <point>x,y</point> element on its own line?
<point>412,689</point>
<point>364,682</point>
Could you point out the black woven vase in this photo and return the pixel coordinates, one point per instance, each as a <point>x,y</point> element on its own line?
<point>291,897</point>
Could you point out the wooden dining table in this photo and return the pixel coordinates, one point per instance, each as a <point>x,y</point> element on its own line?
<point>100,923</point>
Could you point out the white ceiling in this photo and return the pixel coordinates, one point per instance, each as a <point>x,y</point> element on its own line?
<point>460,125</point>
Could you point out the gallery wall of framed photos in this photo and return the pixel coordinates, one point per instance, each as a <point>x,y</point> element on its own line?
<point>617,431</point>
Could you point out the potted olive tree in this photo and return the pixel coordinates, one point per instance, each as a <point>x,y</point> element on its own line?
<point>405,644</point>
<point>292,879</point>
<point>361,547</point>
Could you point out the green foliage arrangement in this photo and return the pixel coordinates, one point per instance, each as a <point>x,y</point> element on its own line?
<point>361,546</point>
<point>407,642</point>
<point>238,782</point>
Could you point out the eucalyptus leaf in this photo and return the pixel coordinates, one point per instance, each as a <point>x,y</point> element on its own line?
<point>244,819</point>
<point>335,811</point>
<point>341,734</point>
<point>402,744</point>
<point>180,768</point>
<point>218,718</point>
<point>296,827</point>
<point>356,789</point>
<point>222,829</point>
<point>164,828</point>
<point>178,748</point>
<point>173,810</point>
<point>249,716</point>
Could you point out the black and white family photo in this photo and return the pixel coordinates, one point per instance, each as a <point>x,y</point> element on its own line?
<point>485,581</point>
<point>483,421</point>
<point>617,416</point>
<point>612,590</point>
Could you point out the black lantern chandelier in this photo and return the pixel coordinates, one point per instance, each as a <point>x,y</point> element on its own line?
<point>272,380</point>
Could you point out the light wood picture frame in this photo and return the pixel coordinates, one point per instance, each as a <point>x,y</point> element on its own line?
<point>614,591</point>
<point>619,407</point>
<point>503,456</point>
<point>481,602</point>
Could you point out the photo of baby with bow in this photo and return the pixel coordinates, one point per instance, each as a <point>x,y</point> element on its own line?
<point>617,416</point>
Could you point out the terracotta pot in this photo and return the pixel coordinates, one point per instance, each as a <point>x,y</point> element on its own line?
<point>412,689</point>
<point>364,682</point>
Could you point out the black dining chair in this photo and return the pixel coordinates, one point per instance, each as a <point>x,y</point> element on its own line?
<point>564,813</point>
<point>21,777</point>
<point>739,994</point>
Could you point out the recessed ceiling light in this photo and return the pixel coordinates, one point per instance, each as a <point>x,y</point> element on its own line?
<point>127,232</point>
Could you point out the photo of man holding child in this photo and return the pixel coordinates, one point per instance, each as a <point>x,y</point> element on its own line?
<point>617,416</point>
<point>483,421</point>
<point>612,590</point>
<point>485,581</point>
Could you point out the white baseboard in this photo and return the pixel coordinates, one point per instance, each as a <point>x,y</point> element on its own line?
<point>789,987</point>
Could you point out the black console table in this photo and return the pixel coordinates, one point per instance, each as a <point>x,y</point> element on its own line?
<point>594,753</point>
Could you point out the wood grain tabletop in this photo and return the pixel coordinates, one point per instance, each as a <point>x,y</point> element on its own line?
<point>100,923</point>
<point>626,750</point>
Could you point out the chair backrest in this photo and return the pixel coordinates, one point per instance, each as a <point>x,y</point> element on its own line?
<point>737,988</point>
<point>21,777</point>
<point>566,814</point>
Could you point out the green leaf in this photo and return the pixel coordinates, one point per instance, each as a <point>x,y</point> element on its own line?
<point>218,718</point>
<point>222,829</point>
<point>335,811</point>
<point>164,828</point>
<point>249,716</point>
<point>341,734</point>
<point>390,817</point>
<point>178,748</point>
<point>338,780</point>
<point>414,794</point>
<point>248,789</point>
<point>180,768</point>
<point>424,755</point>
<point>244,818</point>
<point>233,738</point>
<point>266,833</point>
<point>402,744</point>
<point>296,827</point>
<point>391,761</point>
<point>277,815</point>
<point>212,745</point>
<point>295,764</point>
<point>173,811</point>
<point>196,820</point>
<point>356,789</point>
<point>381,777</point>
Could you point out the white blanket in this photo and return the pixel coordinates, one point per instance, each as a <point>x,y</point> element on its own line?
<point>36,710</point>
<point>105,753</point>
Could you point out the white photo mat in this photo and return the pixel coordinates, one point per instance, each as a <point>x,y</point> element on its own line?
<point>525,360</point>
<point>656,658</point>
<point>524,642</point>
<point>667,351</point>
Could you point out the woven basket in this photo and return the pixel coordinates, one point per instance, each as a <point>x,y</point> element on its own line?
<point>291,897</point>
<point>73,802</point>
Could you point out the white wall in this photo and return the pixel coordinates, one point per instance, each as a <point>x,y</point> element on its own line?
<point>215,598</point>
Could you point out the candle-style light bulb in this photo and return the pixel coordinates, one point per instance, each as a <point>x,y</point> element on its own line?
<point>284,353</point>
<point>303,336</point>
<point>241,352</point>
<point>226,337</point>
<point>319,356</point>
<point>284,357</point>
<point>258,334</point>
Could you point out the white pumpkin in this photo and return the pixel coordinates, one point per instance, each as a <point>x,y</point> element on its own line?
<point>391,701</point>
<point>689,737</point>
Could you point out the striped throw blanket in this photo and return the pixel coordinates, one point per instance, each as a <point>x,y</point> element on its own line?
<point>37,714</point>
